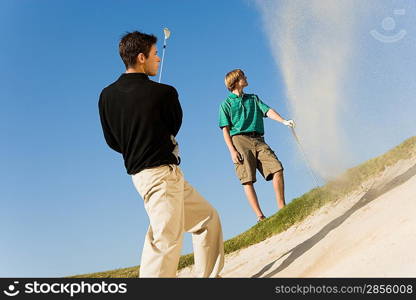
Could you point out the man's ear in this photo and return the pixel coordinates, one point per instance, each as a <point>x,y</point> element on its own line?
<point>141,58</point>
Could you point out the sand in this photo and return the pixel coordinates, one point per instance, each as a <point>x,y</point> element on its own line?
<point>369,233</point>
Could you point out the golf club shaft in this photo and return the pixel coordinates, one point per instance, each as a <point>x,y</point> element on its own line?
<point>304,156</point>
<point>163,57</point>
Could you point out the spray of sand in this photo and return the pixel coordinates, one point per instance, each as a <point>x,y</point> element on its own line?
<point>311,43</point>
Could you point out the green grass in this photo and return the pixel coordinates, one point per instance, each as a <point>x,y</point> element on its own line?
<point>297,210</point>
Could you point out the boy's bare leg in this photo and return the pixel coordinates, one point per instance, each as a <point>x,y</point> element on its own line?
<point>252,198</point>
<point>279,188</point>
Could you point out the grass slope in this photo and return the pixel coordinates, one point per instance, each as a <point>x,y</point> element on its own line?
<point>297,210</point>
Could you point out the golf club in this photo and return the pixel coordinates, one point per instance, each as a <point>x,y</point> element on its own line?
<point>166,31</point>
<point>304,156</point>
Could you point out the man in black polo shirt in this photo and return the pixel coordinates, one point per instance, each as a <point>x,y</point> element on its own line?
<point>140,119</point>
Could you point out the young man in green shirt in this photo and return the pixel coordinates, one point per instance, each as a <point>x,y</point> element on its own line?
<point>241,120</point>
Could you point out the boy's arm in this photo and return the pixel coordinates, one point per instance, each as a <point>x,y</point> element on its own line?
<point>235,156</point>
<point>274,115</point>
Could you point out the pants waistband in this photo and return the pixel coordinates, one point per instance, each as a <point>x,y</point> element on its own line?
<point>250,134</point>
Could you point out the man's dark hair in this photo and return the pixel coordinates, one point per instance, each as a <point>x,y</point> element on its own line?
<point>133,43</point>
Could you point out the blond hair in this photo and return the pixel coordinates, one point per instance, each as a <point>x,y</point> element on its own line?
<point>232,78</point>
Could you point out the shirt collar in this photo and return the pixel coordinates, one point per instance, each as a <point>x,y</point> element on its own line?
<point>141,76</point>
<point>234,96</point>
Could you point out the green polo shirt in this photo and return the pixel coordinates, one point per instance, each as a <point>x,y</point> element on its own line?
<point>243,114</point>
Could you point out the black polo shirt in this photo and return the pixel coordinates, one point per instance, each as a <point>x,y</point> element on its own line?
<point>138,116</point>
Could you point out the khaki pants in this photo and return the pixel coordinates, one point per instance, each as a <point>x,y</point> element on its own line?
<point>173,207</point>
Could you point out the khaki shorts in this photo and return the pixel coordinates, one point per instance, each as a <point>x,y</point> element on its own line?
<point>256,155</point>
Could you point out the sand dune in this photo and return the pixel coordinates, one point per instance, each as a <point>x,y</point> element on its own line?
<point>369,233</point>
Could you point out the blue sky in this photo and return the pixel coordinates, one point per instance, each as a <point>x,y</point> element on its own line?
<point>67,205</point>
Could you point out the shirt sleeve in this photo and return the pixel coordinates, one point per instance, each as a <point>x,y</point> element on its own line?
<point>173,112</point>
<point>263,106</point>
<point>108,135</point>
<point>224,116</point>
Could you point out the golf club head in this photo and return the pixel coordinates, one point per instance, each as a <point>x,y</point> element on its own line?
<point>166,31</point>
